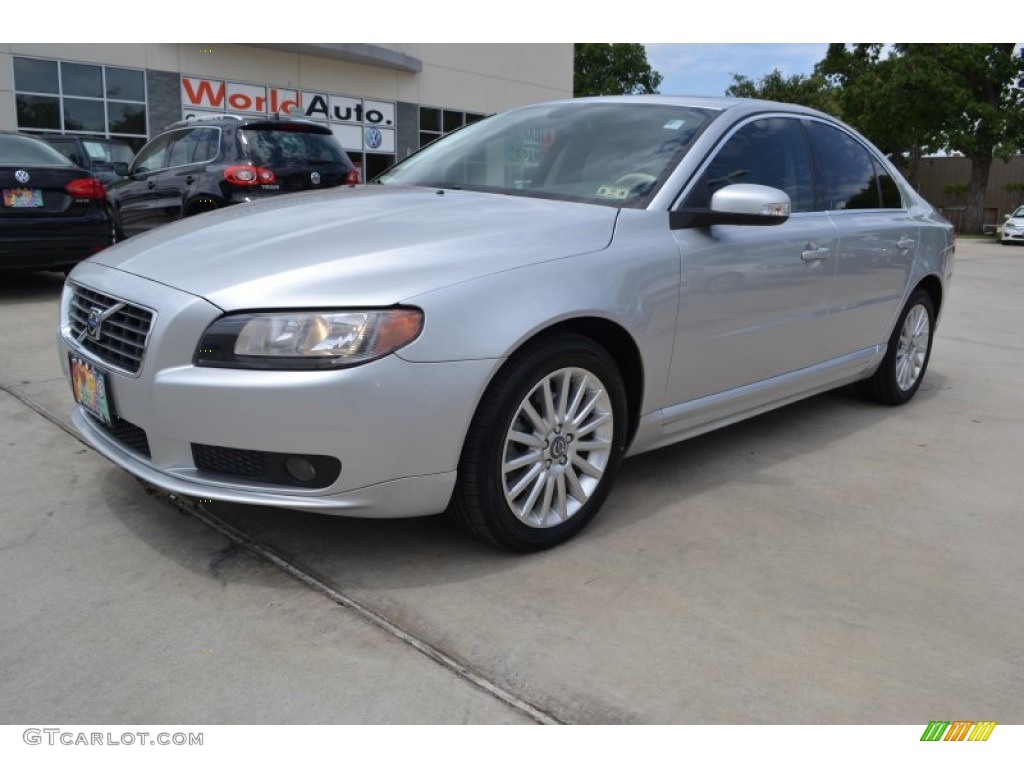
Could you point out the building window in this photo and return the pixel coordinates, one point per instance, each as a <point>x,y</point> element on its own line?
<point>435,123</point>
<point>68,97</point>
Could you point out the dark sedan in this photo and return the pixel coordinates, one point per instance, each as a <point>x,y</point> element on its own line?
<point>53,214</point>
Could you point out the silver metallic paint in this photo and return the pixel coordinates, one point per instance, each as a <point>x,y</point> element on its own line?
<point>491,272</point>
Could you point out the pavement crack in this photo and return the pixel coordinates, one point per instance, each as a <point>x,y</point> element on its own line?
<point>226,554</point>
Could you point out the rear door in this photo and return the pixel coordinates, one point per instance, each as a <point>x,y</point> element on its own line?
<point>189,151</point>
<point>878,241</point>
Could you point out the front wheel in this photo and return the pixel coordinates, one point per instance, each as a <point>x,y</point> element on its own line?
<point>544,446</point>
<point>906,359</point>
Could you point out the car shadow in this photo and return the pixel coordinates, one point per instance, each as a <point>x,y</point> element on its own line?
<point>378,554</point>
<point>17,287</point>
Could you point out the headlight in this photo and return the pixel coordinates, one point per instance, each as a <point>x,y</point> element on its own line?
<point>305,340</point>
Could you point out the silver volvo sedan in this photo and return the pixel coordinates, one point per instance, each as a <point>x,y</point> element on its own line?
<point>494,323</point>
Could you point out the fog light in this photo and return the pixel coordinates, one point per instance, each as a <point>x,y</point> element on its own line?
<point>300,469</point>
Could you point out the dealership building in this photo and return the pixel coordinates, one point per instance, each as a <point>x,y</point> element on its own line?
<point>381,101</point>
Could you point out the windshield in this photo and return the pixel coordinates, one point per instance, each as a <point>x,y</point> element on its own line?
<point>1018,214</point>
<point>606,153</point>
<point>108,152</point>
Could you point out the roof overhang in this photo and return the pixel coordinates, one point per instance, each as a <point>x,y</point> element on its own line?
<point>357,53</point>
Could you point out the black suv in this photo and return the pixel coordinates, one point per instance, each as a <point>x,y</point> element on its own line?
<point>203,164</point>
<point>98,155</point>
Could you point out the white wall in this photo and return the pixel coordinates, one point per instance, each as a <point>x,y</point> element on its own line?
<point>473,77</point>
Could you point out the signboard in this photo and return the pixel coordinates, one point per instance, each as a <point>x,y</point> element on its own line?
<point>360,124</point>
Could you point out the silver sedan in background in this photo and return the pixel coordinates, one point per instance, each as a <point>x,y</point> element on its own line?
<point>494,323</point>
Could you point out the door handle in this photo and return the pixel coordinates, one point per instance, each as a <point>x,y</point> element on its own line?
<point>150,185</point>
<point>189,179</point>
<point>815,254</point>
<point>906,243</point>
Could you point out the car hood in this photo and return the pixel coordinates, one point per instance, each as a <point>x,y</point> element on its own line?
<point>364,246</point>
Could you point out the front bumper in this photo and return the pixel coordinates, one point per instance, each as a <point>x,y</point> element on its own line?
<point>1015,235</point>
<point>396,427</point>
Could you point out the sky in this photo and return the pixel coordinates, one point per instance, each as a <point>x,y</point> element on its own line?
<point>706,69</point>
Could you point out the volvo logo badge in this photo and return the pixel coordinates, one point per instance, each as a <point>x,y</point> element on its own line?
<point>93,323</point>
<point>315,177</point>
<point>21,177</point>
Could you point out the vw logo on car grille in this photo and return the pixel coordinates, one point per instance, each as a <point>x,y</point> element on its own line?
<point>373,138</point>
<point>21,176</point>
<point>315,177</point>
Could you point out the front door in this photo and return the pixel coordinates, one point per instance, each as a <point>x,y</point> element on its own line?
<point>753,299</point>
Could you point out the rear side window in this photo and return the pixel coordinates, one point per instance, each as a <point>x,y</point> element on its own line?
<point>273,147</point>
<point>770,151</point>
<point>853,178</point>
<point>195,146</point>
<point>891,197</point>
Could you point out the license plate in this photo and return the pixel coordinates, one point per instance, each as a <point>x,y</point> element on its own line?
<point>90,389</point>
<point>23,198</point>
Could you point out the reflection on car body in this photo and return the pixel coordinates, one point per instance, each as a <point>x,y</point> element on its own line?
<point>489,329</point>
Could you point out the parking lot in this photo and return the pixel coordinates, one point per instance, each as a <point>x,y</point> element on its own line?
<point>831,562</point>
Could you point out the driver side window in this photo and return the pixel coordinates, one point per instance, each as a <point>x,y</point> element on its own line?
<point>153,156</point>
<point>771,151</point>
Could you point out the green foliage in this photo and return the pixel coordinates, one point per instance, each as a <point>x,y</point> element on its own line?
<point>811,91</point>
<point>955,190</point>
<point>607,69</point>
<point>1015,186</point>
<point>914,98</point>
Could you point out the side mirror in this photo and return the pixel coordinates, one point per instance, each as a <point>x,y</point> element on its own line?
<point>738,204</point>
<point>121,169</point>
<point>1006,217</point>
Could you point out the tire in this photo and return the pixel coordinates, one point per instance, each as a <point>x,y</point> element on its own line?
<point>910,347</point>
<point>544,446</point>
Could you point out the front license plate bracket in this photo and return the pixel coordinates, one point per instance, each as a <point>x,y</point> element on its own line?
<point>91,389</point>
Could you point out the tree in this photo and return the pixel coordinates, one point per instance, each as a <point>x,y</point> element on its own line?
<point>914,98</point>
<point>811,91</point>
<point>981,107</point>
<point>604,69</point>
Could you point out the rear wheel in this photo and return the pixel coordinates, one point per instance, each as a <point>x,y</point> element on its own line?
<point>544,446</point>
<point>898,377</point>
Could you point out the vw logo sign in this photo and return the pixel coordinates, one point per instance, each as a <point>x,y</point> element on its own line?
<point>315,177</point>
<point>21,177</point>
<point>373,138</point>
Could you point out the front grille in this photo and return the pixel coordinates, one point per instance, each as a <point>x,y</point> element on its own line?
<point>122,332</point>
<point>265,466</point>
<point>129,435</point>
